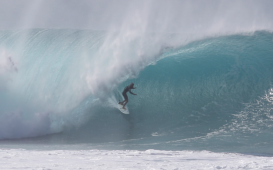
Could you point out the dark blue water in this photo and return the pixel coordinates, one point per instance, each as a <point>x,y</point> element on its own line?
<point>212,94</point>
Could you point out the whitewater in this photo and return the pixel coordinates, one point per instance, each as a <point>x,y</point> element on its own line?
<point>204,85</point>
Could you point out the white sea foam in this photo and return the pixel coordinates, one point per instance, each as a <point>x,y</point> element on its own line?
<point>129,159</point>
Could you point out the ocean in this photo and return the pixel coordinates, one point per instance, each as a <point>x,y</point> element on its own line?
<point>202,103</point>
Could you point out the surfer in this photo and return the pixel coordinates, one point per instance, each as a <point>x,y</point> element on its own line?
<point>127,89</point>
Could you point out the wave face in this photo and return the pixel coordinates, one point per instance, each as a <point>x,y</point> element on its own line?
<point>213,94</point>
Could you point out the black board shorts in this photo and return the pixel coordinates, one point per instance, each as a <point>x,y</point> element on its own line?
<point>125,96</point>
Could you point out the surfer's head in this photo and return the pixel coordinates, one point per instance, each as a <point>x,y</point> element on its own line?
<point>132,85</point>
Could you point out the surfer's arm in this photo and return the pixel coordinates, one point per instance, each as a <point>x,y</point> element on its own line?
<point>132,92</point>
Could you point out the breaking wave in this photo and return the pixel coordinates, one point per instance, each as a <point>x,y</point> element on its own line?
<point>211,93</point>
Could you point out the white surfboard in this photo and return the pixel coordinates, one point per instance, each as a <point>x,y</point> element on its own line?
<point>124,111</point>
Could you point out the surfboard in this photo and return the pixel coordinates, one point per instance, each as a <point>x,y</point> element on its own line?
<point>124,111</point>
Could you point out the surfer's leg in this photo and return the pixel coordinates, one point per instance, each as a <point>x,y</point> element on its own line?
<point>122,102</point>
<point>126,101</point>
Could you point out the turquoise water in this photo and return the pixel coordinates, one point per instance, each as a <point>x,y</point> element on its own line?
<point>214,93</point>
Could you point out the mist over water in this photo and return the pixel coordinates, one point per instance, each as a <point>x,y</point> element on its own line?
<point>202,70</point>
<point>186,17</point>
